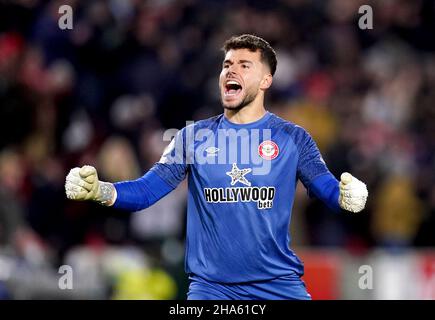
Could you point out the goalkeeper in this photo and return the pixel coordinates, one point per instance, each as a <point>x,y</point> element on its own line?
<point>237,238</point>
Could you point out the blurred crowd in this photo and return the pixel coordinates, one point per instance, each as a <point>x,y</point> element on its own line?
<point>104,92</point>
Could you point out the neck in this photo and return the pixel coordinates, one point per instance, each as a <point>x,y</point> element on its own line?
<point>249,113</point>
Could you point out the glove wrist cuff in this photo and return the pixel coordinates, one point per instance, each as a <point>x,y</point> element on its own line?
<point>107,194</point>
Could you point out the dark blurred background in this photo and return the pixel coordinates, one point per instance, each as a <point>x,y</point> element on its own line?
<point>104,92</point>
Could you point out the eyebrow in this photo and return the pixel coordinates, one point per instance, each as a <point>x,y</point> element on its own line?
<point>240,61</point>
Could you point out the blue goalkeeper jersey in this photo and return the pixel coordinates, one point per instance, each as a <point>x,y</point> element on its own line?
<point>241,187</point>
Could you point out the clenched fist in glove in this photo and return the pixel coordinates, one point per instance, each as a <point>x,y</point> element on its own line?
<point>353,193</point>
<point>83,184</point>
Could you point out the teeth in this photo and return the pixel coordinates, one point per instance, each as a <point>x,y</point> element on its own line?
<point>233,82</point>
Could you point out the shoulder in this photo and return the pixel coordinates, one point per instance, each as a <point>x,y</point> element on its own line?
<point>209,123</point>
<point>294,131</point>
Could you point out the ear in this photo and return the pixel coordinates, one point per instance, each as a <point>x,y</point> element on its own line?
<point>266,82</point>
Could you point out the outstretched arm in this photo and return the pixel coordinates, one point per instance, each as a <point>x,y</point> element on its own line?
<point>83,184</point>
<point>349,194</point>
<point>326,188</point>
<point>141,193</point>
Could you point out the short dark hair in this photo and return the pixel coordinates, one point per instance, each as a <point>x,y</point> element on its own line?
<point>253,43</point>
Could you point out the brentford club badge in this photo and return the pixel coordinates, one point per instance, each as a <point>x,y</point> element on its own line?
<point>268,150</point>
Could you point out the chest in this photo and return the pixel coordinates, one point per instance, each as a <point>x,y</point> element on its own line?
<point>244,158</point>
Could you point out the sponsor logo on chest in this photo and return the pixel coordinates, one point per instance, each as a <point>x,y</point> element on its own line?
<point>263,196</point>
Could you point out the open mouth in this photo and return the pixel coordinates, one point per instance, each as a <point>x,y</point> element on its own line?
<point>232,88</point>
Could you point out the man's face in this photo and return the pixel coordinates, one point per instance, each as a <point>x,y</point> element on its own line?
<point>241,78</point>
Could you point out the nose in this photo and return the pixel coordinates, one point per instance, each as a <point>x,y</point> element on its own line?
<point>231,71</point>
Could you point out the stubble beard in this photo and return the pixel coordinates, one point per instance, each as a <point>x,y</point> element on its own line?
<point>247,100</point>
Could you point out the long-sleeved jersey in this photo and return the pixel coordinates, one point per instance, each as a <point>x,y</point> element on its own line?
<point>241,187</point>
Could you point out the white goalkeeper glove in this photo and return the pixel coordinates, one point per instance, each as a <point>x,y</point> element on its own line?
<point>82,184</point>
<point>353,193</point>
